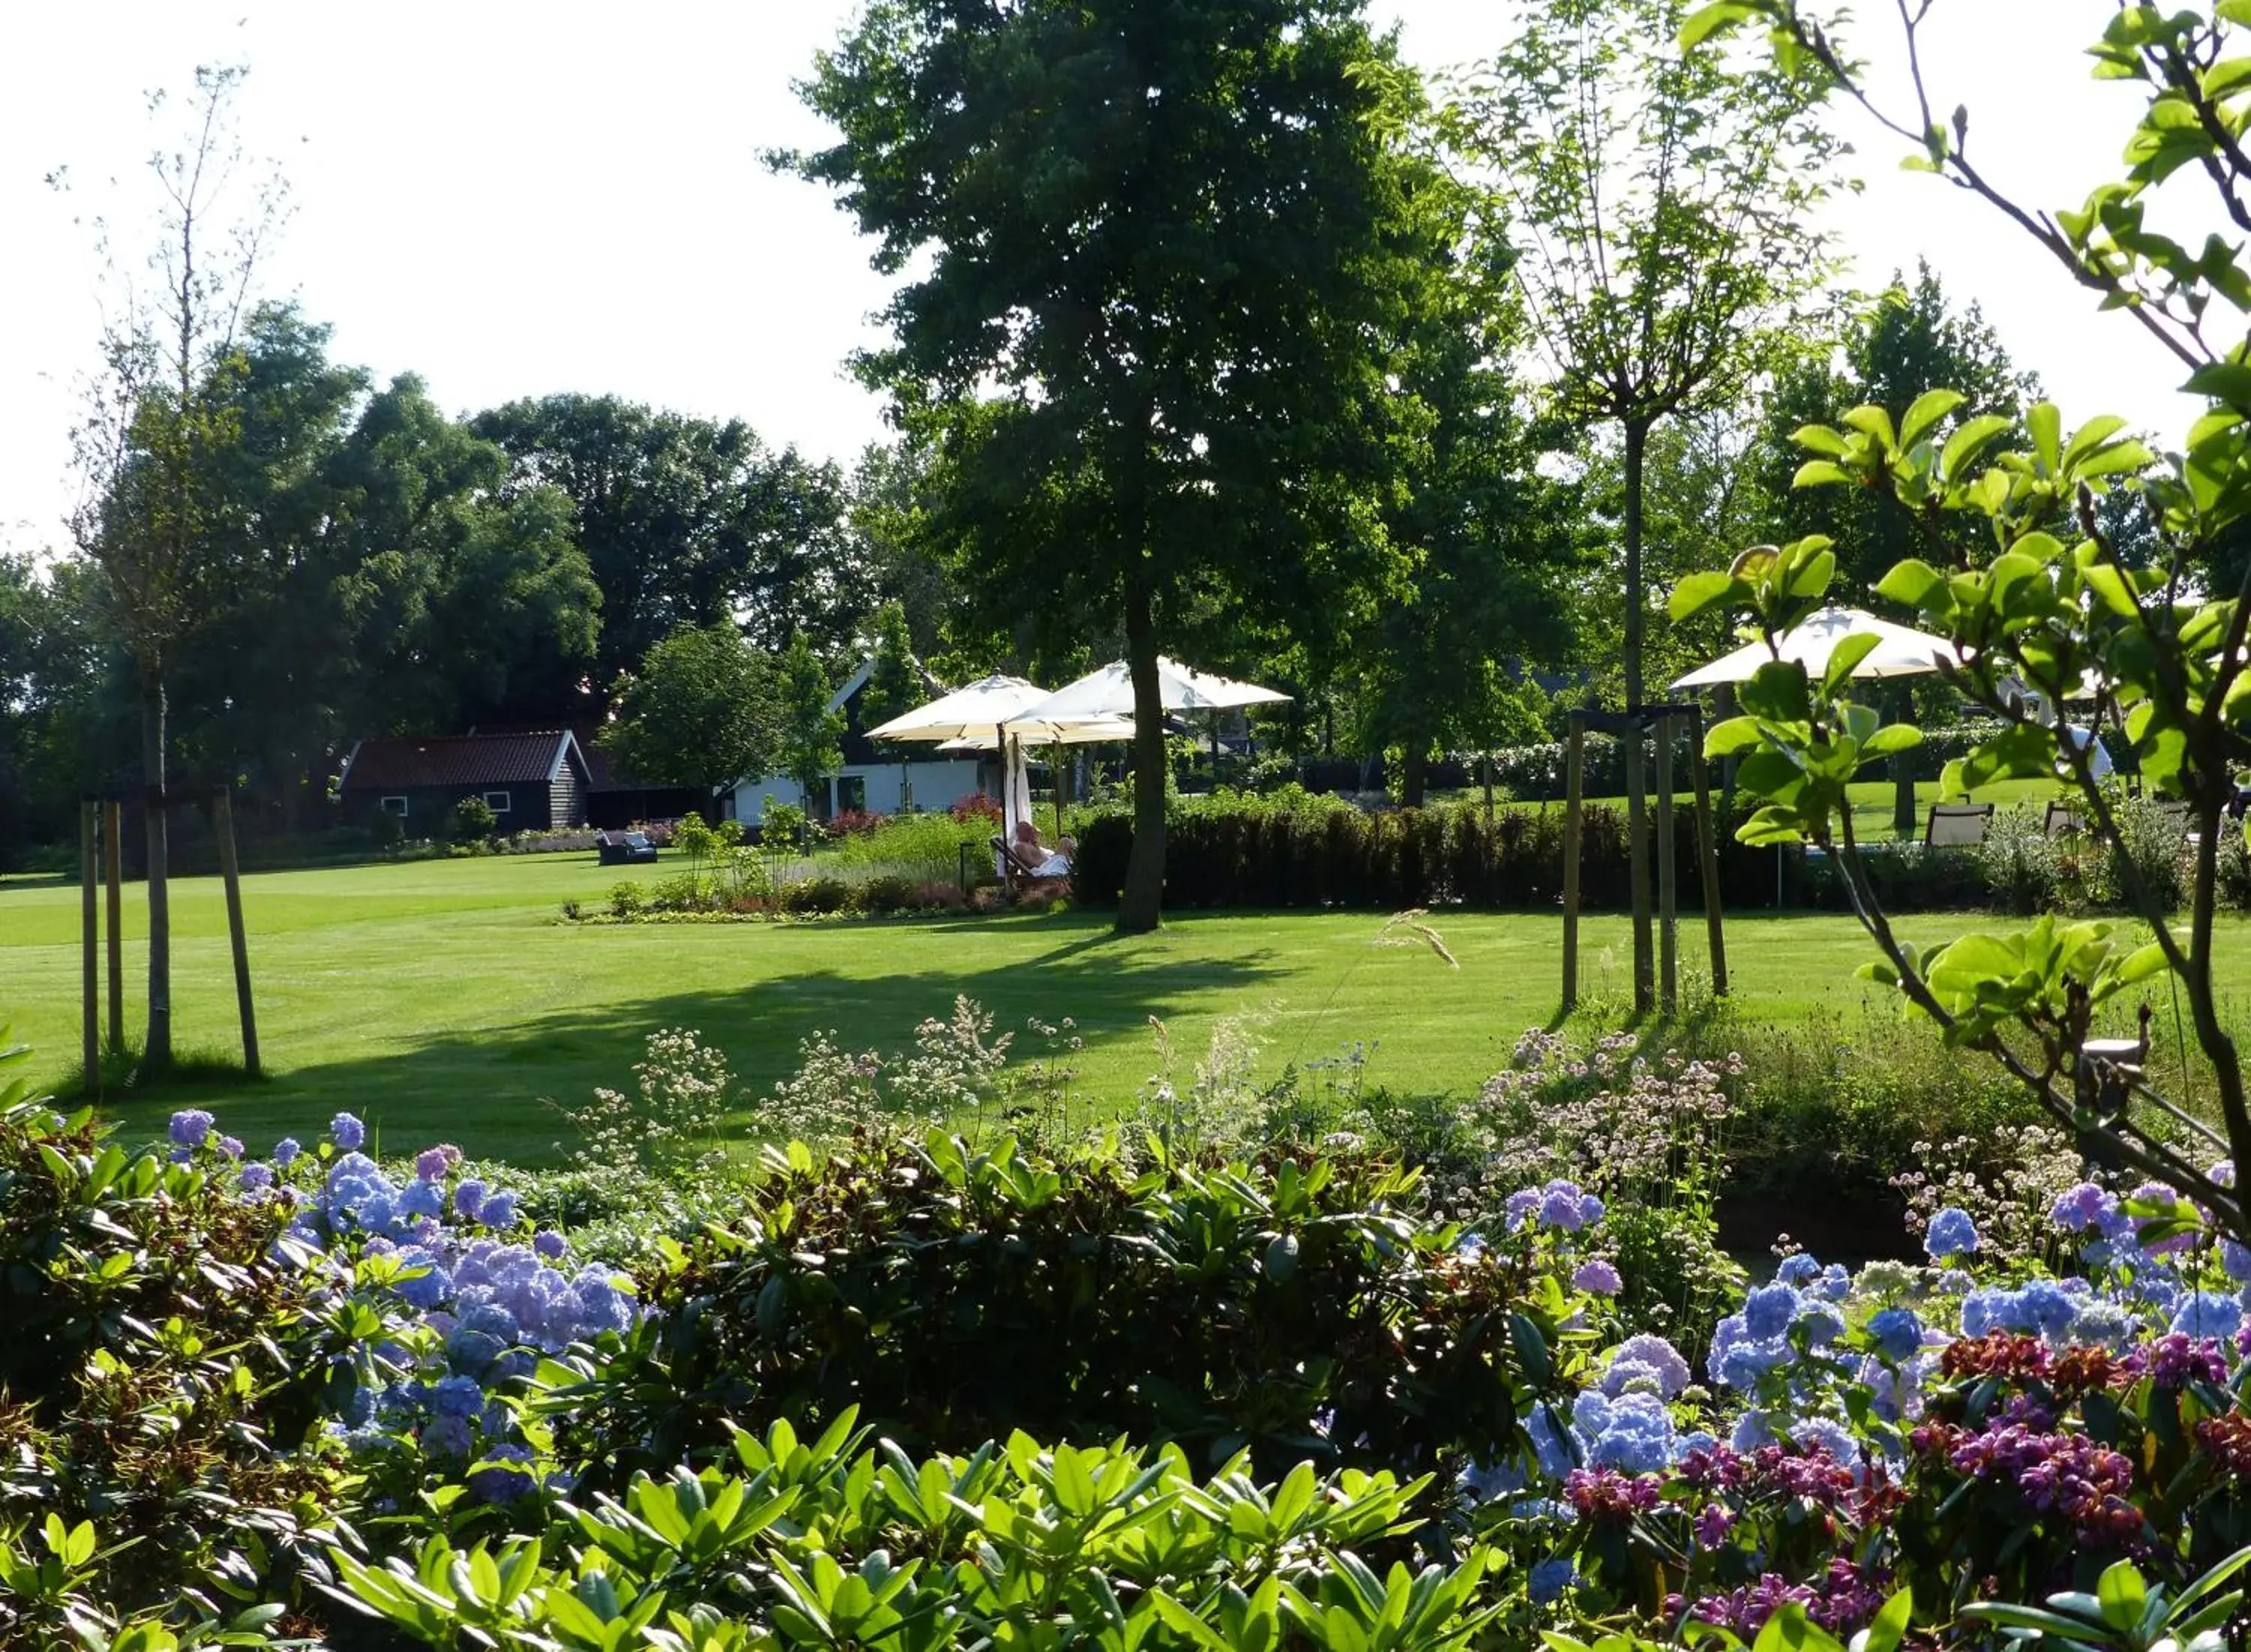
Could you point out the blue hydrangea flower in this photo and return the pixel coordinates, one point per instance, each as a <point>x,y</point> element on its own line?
<point>1798,1268</point>
<point>421,1199</point>
<point>1768,1311</point>
<point>1751,1431</point>
<point>286,1151</point>
<point>2050,1308</point>
<point>1897,1331</point>
<point>255,1179</point>
<point>1561,1206</point>
<point>469,1197</point>
<point>1952,1234</point>
<point>2208,1313</point>
<point>1635,1435</point>
<point>548,1243</point>
<point>189,1127</point>
<point>499,1211</point>
<point>1520,1206</point>
<point>429,1288</point>
<point>2083,1209</point>
<point>1827,1433</point>
<point>2236,1261</point>
<point>1823,1324</point>
<point>228,1146</point>
<point>346,1132</point>
<point>1551,1577</point>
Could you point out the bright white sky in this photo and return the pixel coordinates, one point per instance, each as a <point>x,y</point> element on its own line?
<point>513,198</point>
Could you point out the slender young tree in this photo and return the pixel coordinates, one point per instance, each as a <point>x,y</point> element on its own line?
<point>1658,203</point>
<point>154,451</point>
<point>1157,269</point>
<point>810,732</point>
<point>896,682</point>
<point>700,712</point>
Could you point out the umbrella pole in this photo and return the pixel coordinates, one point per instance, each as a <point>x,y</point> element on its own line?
<point>1056,775</point>
<point>1573,775</point>
<point>1708,858</point>
<point>1668,929</point>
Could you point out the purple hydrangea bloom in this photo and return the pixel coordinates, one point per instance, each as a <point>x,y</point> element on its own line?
<point>230,1146</point>
<point>2082,1210</point>
<point>494,1483</point>
<point>422,1198</point>
<point>431,1164</point>
<point>548,1243</point>
<point>1827,1433</point>
<point>1599,1278</point>
<point>346,1132</point>
<point>2208,1313</point>
<point>1952,1234</point>
<point>256,1178</point>
<point>469,1197</point>
<point>499,1211</point>
<point>1561,1206</point>
<point>2236,1261</point>
<point>2049,1307</point>
<point>431,1286</point>
<point>286,1151</point>
<point>1520,1206</point>
<point>457,1397</point>
<point>189,1127</point>
<point>1657,1355</point>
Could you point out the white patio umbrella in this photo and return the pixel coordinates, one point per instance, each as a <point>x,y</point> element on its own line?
<point>1899,650</point>
<point>1109,693</point>
<point>976,710</point>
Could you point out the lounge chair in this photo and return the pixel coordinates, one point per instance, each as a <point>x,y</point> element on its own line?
<point>1957,825</point>
<point>2062,820</point>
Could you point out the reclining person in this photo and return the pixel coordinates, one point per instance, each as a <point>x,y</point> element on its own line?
<point>1034,859</point>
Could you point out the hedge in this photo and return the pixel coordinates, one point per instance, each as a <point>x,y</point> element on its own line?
<point>1255,855</point>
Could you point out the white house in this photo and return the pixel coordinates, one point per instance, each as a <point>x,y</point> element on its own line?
<point>872,775</point>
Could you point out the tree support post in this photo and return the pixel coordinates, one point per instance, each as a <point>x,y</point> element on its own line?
<point>223,809</point>
<point>89,879</point>
<point>1668,929</point>
<point>113,833</point>
<point>1637,836</point>
<point>1573,775</point>
<point>1708,853</point>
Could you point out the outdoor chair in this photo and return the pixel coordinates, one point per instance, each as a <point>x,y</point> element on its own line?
<point>1957,825</point>
<point>2062,820</point>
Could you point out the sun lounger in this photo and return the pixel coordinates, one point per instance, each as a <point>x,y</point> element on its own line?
<point>1957,825</point>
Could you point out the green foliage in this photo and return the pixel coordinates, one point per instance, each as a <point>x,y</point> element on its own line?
<point>809,731</point>
<point>165,1357</point>
<point>1158,266</point>
<point>2127,1613</point>
<point>474,820</point>
<point>699,710</point>
<point>827,1541</point>
<point>957,1292</point>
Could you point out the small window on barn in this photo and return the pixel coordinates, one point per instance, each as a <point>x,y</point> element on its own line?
<point>496,801</point>
<point>395,806</point>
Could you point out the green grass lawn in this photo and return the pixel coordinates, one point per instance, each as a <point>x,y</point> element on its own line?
<point>446,998</point>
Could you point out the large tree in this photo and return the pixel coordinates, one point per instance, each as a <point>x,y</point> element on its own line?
<point>1157,265</point>
<point>1660,203</point>
<point>688,521</point>
<point>159,441</point>
<point>701,711</point>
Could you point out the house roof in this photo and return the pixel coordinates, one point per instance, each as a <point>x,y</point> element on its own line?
<point>532,757</point>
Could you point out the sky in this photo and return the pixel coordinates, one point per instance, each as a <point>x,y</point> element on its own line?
<point>512,199</point>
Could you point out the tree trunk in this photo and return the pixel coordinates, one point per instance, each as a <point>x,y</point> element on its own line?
<point>156,1051</point>
<point>1140,904</point>
<point>1636,822</point>
<point>1415,777</point>
<point>1903,810</point>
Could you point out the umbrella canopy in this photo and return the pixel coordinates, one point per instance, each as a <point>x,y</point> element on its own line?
<point>1109,693</point>
<point>975,710</point>
<point>1899,651</point>
<point>1034,732</point>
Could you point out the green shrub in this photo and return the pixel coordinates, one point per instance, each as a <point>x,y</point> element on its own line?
<point>474,820</point>
<point>822,893</point>
<point>626,899</point>
<point>1296,1305</point>
<point>826,1543</point>
<point>678,892</point>
<point>888,892</point>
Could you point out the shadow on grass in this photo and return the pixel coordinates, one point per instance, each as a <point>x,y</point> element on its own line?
<point>486,1089</point>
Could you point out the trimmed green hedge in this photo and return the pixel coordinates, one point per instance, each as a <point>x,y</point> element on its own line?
<point>1316,852</point>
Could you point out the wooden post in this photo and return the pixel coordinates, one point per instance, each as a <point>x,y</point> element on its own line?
<point>1707,854</point>
<point>223,813</point>
<point>112,835</point>
<point>1668,929</point>
<point>1636,860</point>
<point>89,880</point>
<point>1573,775</point>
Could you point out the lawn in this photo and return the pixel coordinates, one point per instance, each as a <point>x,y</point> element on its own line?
<point>446,998</point>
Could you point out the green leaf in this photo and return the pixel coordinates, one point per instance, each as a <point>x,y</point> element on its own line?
<point>1910,583</point>
<point>2229,381</point>
<point>1893,737</point>
<point>1971,437</point>
<point>1890,1625</point>
<point>2045,421</point>
<point>1699,591</point>
<point>2122,1593</point>
<point>1715,18</point>
<point>1844,658</point>
<point>1818,472</point>
<point>1733,737</point>
<point>1930,407</point>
